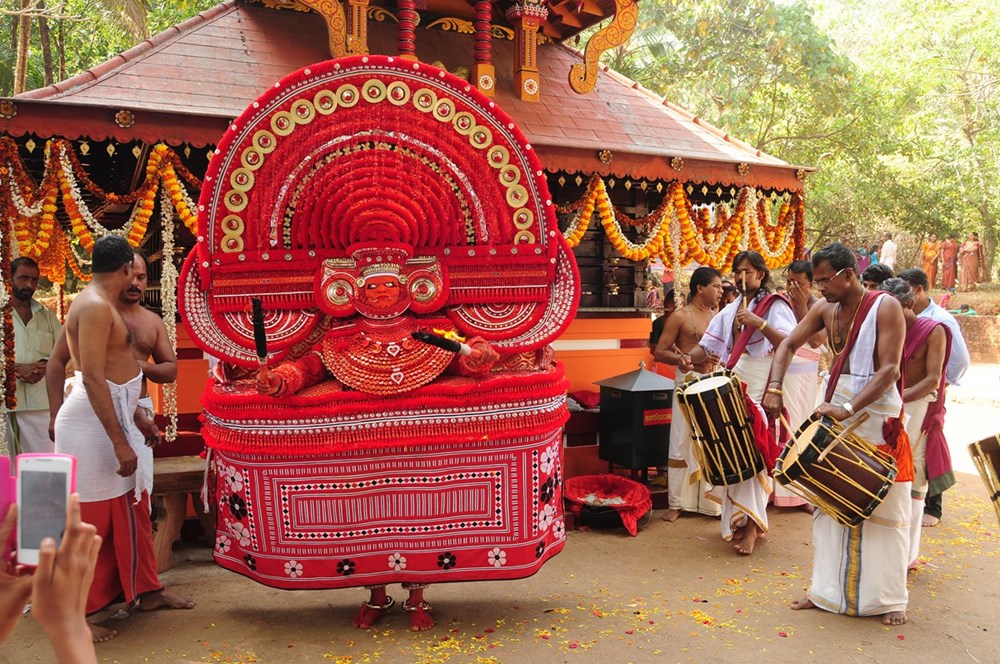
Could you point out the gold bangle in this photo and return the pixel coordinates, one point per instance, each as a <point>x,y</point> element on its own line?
<point>763,324</point>
<point>771,390</point>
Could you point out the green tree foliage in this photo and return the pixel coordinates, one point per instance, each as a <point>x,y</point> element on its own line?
<point>91,32</point>
<point>895,102</point>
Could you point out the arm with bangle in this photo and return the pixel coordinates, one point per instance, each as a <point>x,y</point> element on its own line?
<point>782,358</point>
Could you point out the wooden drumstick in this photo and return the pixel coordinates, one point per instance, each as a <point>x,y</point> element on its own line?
<point>858,421</point>
<point>743,277</point>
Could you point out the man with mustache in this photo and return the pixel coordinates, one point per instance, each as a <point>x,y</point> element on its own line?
<point>35,331</point>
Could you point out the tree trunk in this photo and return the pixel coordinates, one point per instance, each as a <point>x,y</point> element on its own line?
<point>61,40</point>
<point>23,43</point>
<point>46,43</point>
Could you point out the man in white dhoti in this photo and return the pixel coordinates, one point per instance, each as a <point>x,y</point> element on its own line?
<point>35,331</point>
<point>925,356</point>
<point>857,571</point>
<point>939,460</point>
<point>95,424</point>
<point>687,490</point>
<point>744,335</point>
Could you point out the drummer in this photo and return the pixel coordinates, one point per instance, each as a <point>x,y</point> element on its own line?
<point>685,491</point>
<point>857,571</point>
<point>744,336</point>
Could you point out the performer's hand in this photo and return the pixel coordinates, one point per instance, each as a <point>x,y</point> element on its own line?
<point>772,404</point>
<point>269,383</point>
<point>712,359</point>
<point>685,364</point>
<point>62,582</point>
<point>836,412</point>
<point>127,460</point>
<point>481,361</point>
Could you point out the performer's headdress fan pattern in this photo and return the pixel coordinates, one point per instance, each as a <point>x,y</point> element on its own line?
<point>376,151</point>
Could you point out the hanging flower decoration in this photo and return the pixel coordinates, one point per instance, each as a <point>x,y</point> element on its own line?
<point>31,210</point>
<point>680,234</point>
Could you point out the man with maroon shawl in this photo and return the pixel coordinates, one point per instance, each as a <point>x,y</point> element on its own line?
<point>858,571</point>
<point>925,358</point>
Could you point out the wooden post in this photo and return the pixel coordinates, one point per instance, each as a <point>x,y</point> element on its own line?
<point>483,72</point>
<point>405,37</point>
<point>526,18</point>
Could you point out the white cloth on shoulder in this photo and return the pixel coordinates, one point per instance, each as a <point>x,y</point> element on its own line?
<point>79,432</point>
<point>718,337</point>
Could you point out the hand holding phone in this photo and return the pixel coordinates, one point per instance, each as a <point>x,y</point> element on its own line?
<point>44,483</point>
<point>15,590</point>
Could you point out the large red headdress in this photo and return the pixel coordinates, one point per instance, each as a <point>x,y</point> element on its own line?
<point>375,154</point>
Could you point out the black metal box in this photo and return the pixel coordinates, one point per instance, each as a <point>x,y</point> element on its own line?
<point>635,419</point>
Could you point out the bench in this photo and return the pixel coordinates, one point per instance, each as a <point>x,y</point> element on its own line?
<point>174,479</point>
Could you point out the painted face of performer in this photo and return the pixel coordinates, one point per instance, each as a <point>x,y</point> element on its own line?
<point>382,291</point>
<point>137,286</point>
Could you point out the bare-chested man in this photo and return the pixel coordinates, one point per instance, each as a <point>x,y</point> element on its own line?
<point>686,489</point>
<point>114,466</point>
<point>925,357</point>
<point>149,340</point>
<point>856,571</point>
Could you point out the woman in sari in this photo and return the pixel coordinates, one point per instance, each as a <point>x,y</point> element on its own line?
<point>929,252</point>
<point>970,257</point>
<point>949,262</point>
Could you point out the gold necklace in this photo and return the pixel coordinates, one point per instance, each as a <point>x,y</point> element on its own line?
<point>836,341</point>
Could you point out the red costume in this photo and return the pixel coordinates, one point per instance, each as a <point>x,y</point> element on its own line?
<point>361,200</point>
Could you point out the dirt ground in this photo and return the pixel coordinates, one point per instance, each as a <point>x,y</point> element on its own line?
<point>675,593</point>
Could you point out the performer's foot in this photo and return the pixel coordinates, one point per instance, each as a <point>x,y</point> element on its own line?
<point>894,618</point>
<point>420,616</point>
<point>102,634</point>
<point>748,540</point>
<point>370,613</point>
<point>929,521</point>
<point>807,508</point>
<point>804,603</point>
<point>161,599</point>
<point>671,515</point>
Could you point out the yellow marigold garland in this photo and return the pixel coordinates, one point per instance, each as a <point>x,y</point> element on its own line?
<point>706,236</point>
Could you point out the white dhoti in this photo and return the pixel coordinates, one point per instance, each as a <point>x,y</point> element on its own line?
<point>916,411</point>
<point>80,433</point>
<point>861,571</point>
<point>800,390</point>
<point>748,499</point>
<point>686,488</point>
<point>28,432</point>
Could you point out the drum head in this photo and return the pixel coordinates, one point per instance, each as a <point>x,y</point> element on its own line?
<point>708,383</point>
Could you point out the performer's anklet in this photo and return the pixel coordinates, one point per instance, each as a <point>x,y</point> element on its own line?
<point>390,602</point>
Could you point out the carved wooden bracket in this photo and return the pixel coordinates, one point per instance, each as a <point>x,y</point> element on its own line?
<point>336,24</point>
<point>583,76</point>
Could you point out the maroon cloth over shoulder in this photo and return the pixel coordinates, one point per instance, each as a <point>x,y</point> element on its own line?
<point>939,468</point>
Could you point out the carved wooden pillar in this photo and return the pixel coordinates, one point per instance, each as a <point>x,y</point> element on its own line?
<point>405,38</point>
<point>483,72</point>
<point>357,27</point>
<point>526,17</point>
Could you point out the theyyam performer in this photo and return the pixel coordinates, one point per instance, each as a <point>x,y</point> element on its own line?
<point>389,410</point>
<point>743,337</point>
<point>858,571</point>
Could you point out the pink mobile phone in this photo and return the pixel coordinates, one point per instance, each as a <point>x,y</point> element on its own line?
<point>8,494</point>
<point>44,483</point>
